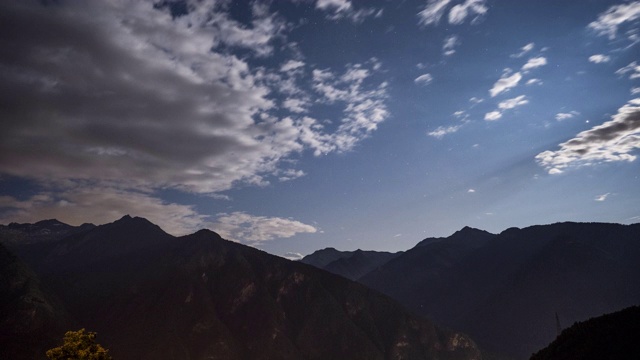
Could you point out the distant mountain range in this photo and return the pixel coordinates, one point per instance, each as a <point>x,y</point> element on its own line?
<point>350,264</point>
<point>505,289</point>
<point>150,295</point>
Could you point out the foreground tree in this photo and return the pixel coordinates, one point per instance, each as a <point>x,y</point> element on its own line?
<point>79,345</point>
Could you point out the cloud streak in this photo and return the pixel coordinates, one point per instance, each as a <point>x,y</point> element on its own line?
<point>441,131</point>
<point>505,83</point>
<point>506,105</point>
<point>534,63</point>
<point>424,79</point>
<point>240,226</point>
<point>613,18</point>
<point>343,9</point>
<point>633,69</point>
<point>434,10</point>
<point>614,140</point>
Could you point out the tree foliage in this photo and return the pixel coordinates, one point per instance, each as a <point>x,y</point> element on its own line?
<point>79,345</point>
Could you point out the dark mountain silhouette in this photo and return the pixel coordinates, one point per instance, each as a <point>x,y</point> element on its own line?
<point>350,264</point>
<point>607,337</point>
<point>16,234</point>
<point>324,257</point>
<point>31,318</point>
<point>150,295</point>
<point>504,290</point>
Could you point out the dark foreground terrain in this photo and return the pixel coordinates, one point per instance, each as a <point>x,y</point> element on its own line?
<point>608,337</point>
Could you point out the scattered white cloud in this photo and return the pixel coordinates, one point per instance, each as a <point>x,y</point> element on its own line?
<point>493,115</point>
<point>432,12</point>
<point>609,21</point>
<point>291,174</point>
<point>296,105</point>
<point>566,116</point>
<point>523,51</point>
<point>460,12</point>
<point>534,63</point>
<point>505,83</point>
<point>602,197</point>
<point>614,140</point>
<point>471,191</point>
<point>243,227</point>
<point>513,103</point>
<point>364,107</point>
<point>449,46</point>
<point>441,131</point>
<point>474,100</point>
<point>424,79</point>
<point>633,69</point>
<point>343,9</point>
<point>635,90</point>
<point>534,81</point>
<point>599,58</point>
<point>291,65</point>
<point>506,105</point>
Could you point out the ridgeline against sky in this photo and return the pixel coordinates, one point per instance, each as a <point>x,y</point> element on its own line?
<point>297,125</point>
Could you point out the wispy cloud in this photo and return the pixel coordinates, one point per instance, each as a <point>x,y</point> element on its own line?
<point>506,105</point>
<point>534,63</point>
<point>534,81</point>
<point>432,12</point>
<point>633,69</point>
<point>613,18</point>
<point>449,46</point>
<point>599,58</point>
<point>513,103</point>
<point>441,131</point>
<point>493,115</point>
<point>243,227</point>
<point>344,9</point>
<point>505,83</point>
<point>424,79</point>
<point>458,14</point>
<point>614,140</point>
<point>291,65</point>
<point>565,116</point>
<point>602,197</point>
<point>523,51</point>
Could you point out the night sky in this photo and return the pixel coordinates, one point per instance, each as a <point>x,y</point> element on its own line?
<point>296,125</point>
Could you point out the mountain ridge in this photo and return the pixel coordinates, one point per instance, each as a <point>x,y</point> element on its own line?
<point>199,296</point>
<point>542,268</point>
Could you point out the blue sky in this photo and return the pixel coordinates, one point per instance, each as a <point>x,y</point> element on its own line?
<point>296,125</point>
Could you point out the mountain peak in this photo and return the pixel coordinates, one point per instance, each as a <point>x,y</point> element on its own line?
<point>469,229</point>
